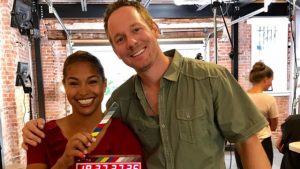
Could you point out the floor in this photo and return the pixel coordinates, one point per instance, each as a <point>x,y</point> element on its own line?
<point>230,160</point>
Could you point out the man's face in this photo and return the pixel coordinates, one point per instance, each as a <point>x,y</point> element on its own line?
<point>132,39</point>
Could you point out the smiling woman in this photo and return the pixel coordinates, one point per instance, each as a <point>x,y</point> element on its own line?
<point>73,136</point>
<point>115,70</point>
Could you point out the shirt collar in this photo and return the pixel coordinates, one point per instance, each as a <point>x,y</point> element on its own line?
<point>173,70</point>
<point>171,74</point>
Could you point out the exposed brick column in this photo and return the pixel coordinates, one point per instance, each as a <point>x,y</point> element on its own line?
<point>13,101</point>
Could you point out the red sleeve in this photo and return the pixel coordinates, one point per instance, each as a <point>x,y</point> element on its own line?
<point>37,154</point>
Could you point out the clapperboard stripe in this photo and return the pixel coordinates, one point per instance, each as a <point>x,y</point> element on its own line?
<point>98,159</point>
<point>95,134</point>
<point>103,160</point>
<point>106,159</point>
<point>113,159</point>
<point>104,121</point>
<point>120,159</point>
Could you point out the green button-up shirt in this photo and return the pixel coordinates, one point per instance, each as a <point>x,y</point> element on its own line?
<point>200,106</point>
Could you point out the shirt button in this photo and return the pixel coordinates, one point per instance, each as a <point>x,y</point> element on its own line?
<point>163,126</point>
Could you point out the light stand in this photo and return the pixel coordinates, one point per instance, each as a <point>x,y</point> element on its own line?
<point>215,5</point>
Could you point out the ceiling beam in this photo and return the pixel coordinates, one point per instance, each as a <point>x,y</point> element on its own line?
<point>160,11</point>
<point>100,34</point>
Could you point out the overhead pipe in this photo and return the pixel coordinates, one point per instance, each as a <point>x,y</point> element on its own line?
<point>83,5</point>
<point>146,3</point>
<point>245,17</point>
<point>200,7</point>
<point>216,4</point>
<point>70,44</point>
<point>293,3</point>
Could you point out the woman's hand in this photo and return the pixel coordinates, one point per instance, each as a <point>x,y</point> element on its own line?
<point>77,146</point>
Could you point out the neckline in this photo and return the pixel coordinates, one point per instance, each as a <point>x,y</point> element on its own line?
<point>149,109</point>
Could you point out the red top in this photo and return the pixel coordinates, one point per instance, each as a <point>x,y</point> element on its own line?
<point>118,140</point>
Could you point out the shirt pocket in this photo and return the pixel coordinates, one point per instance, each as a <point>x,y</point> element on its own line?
<point>191,124</point>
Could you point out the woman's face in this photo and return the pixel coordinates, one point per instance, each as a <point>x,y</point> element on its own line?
<point>84,88</point>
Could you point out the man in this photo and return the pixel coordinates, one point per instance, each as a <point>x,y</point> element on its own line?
<point>181,109</point>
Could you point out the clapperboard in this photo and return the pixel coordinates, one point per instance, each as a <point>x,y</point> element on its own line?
<point>108,161</point>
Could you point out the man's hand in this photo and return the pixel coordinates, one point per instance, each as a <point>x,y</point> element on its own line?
<point>32,132</point>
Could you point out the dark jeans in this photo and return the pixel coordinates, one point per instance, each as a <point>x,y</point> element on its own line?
<point>267,145</point>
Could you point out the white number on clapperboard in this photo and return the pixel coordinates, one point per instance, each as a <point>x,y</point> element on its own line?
<point>113,166</point>
<point>132,166</point>
<point>87,167</point>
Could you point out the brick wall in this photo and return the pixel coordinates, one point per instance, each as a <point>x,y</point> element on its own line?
<point>13,102</point>
<point>282,102</point>
<point>16,48</point>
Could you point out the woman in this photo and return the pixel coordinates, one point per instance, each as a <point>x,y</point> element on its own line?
<point>70,137</point>
<point>261,77</point>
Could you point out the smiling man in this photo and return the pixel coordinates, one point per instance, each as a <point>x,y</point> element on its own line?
<point>183,110</point>
<point>176,105</point>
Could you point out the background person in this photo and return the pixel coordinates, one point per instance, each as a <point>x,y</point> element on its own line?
<point>290,133</point>
<point>181,109</point>
<point>261,77</point>
<point>70,137</point>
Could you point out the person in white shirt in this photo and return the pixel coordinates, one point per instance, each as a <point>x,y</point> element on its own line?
<point>261,77</point>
